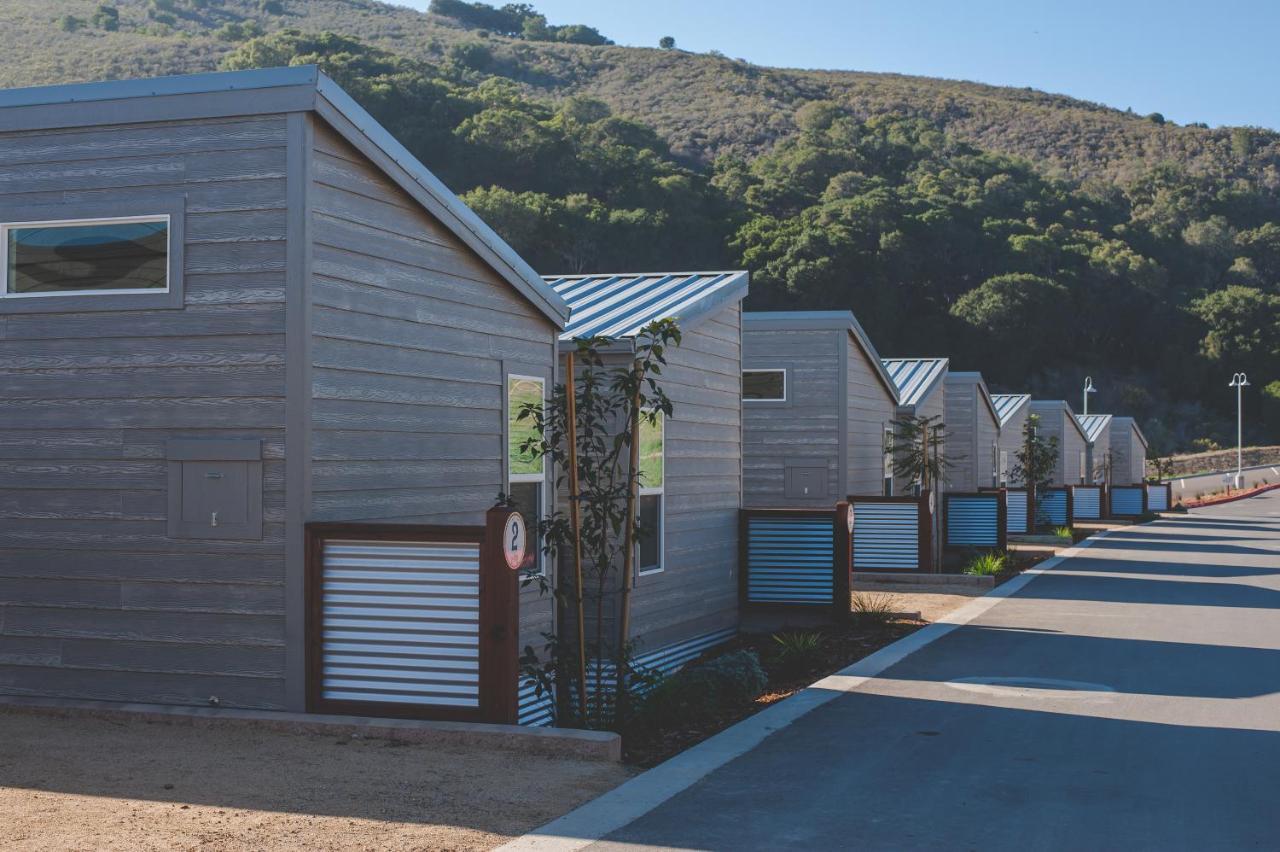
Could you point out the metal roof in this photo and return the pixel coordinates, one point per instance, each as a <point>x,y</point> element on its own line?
<point>915,378</point>
<point>1008,404</point>
<point>810,320</point>
<point>1093,424</point>
<point>265,91</point>
<point>620,305</point>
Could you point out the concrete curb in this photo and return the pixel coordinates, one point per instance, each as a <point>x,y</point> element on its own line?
<point>552,742</point>
<point>633,799</point>
<point>890,579</point>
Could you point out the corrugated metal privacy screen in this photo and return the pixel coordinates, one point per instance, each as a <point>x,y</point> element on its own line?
<point>1157,497</point>
<point>973,520</point>
<point>1086,502</point>
<point>1053,506</point>
<point>401,622</point>
<point>1126,500</point>
<point>1016,518</point>
<point>886,536</point>
<point>790,559</point>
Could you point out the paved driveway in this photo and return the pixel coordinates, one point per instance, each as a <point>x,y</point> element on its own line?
<point>1127,699</point>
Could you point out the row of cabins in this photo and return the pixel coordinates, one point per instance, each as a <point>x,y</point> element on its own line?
<point>236,311</point>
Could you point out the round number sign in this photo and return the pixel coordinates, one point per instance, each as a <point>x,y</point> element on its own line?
<point>513,540</point>
<point>932,500</point>
<point>848,518</point>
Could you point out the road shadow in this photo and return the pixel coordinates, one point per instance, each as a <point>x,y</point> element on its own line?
<point>1086,582</point>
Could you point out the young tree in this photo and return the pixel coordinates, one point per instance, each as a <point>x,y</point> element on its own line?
<point>667,43</point>
<point>918,450</point>
<point>1033,466</point>
<point>591,432</point>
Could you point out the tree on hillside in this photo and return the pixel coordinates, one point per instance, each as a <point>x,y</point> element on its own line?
<point>667,43</point>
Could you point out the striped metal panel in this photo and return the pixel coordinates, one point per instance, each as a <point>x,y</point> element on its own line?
<point>1157,498</point>
<point>914,377</point>
<point>621,305</point>
<point>1008,404</point>
<point>1053,506</point>
<point>886,536</point>
<point>1086,502</point>
<point>1092,425</point>
<point>534,710</point>
<point>1015,520</point>
<point>973,520</point>
<point>401,622</point>
<point>790,560</point>
<point>666,660</point>
<point>1126,500</point>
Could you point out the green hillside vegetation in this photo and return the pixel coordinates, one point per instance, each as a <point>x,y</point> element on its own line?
<point>1030,236</point>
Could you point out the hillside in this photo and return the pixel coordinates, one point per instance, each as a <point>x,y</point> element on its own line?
<point>703,105</point>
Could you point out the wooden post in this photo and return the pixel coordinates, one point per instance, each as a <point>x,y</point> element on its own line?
<point>925,534</point>
<point>499,622</point>
<point>575,521</point>
<point>842,581</point>
<point>629,544</point>
<point>1002,520</point>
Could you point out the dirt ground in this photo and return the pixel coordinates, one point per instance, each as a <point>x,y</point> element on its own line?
<point>932,602</point>
<point>106,785</point>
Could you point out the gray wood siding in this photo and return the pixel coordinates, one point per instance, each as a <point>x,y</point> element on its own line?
<point>1097,453</point>
<point>96,602</point>
<point>869,409</point>
<point>1053,423</point>
<point>806,428</point>
<point>988,452</point>
<point>962,434</point>
<point>933,405</point>
<point>697,591</point>
<point>1011,438</point>
<point>412,337</point>
<point>1128,456</point>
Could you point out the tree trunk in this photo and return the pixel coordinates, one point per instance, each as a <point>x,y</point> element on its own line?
<point>629,546</point>
<point>575,521</point>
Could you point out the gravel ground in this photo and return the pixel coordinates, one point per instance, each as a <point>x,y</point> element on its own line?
<point>931,604</point>
<point>103,785</point>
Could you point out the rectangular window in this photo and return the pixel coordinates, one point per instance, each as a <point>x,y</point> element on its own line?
<point>887,448</point>
<point>653,462</point>
<point>1084,473</point>
<point>83,258</point>
<point>764,385</point>
<point>526,471</point>
<point>1004,467</point>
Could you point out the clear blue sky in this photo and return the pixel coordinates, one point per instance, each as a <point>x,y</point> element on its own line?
<point>1216,61</point>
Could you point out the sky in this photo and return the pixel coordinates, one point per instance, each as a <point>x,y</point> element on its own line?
<point>1214,61</point>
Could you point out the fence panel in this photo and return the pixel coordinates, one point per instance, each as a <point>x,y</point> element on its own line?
<point>1158,496</point>
<point>1054,506</point>
<point>398,624</point>
<point>887,534</point>
<point>974,520</point>
<point>1086,502</point>
<point>1128,501</point>
<point>794,556</point>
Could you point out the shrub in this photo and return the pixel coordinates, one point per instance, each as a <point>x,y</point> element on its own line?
<point>702,690</point>
<point>987,564</point>
<point>795,653</point>
<point>1063,532</point>
<point>271,7</point>
<point>873,608</point>
<point>70,23</point>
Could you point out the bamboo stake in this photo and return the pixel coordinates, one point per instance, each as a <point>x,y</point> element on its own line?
<point>571,404</point>
<point>629,542</point>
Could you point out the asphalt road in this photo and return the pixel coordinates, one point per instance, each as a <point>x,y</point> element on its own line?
<point>1127,699</point>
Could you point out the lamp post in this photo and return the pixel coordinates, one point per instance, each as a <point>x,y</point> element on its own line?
<point>1088,389</point>
<point>1239,381</point>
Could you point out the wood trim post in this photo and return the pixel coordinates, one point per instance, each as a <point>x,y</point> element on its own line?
<point>1071,507</point>
<point>744,570</point>
<point>925,535</point>
<point>1002,521</point>
<point>842,545</point>
<point>499,625</point>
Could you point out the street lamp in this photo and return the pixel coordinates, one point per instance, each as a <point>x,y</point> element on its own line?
<point>1088,389</point>
<point>1239,381</point>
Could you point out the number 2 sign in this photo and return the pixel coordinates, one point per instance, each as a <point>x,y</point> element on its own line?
<point>513,540</point>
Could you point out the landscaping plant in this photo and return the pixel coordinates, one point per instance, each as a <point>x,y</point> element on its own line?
<point>873,608</point>
<point>702,690</point>
<point>987,564</point>
<point>1033,465</point>
<point>795,653</point>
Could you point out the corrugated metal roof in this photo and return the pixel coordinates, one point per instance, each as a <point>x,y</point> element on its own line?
<point>915,377</point>
<point>620,305</point>
<point>1092,425</point>
<point>1007,404</point>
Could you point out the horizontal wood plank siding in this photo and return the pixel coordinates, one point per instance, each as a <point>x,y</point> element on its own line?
<point>870,409</point>
<point>96,601</point>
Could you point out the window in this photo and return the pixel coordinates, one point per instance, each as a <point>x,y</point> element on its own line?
<point>764,385</point>
<point>887,448</point>
<point>526,471</point>
<point>653,463</point>
<point>83,258</point>
<point>1084,472</point>
<point>1004,467</point>
<point>995,463</point>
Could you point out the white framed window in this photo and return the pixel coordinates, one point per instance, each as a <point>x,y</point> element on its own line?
<point>124,256</point>
<point>651,548</point>
<point>526,471</point>
<point>766,385</point>
<point>887,451</point>
<point>995,463</point>
<point>1084,472</point>
<point>1004,467</point>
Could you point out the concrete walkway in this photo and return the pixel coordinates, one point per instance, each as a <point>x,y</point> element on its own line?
<point>1129,698</point>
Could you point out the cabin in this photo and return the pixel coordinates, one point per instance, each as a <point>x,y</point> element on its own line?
<point>1128,452</point>
<point>234,305</point>
<point>685,595</point>
<point>1012,410</point>
<point>1097,447</point>
<point>921,387</point>
<point>817,407</point>
<point>973,427</point>
<point>1057,420</point>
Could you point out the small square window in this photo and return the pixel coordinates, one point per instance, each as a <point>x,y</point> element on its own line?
<point>764,385</point>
